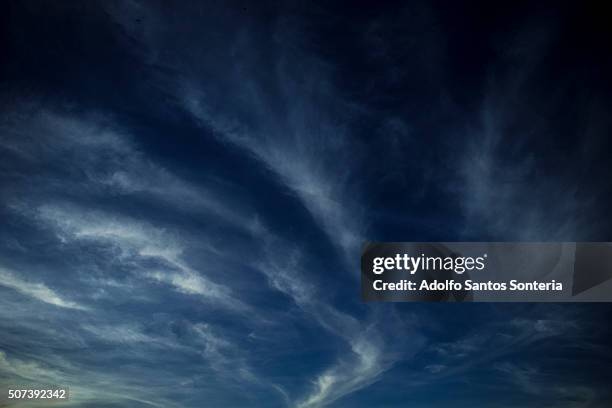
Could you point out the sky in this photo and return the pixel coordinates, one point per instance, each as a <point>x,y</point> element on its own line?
<point>185,189</point>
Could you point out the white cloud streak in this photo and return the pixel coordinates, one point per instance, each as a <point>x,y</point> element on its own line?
<point>301,161</point>
<point>36,290</point>
<point>108,162</point>
<point>137,241</point>
<point>307,149</point>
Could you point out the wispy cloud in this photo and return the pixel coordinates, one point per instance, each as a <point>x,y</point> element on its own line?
<point>492,342</point>
<point>505,186</point>
<point>137,242</point>
<point>548,386</point>
<point>36,290</point>
<point>355,371</point>
<point>308,149</point>
<point>309,152</point>
<point>366,354</point>
<point>306,159</point>
<point>104,159</point>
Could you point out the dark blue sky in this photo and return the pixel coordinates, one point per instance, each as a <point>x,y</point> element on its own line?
<point>185,188</point>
